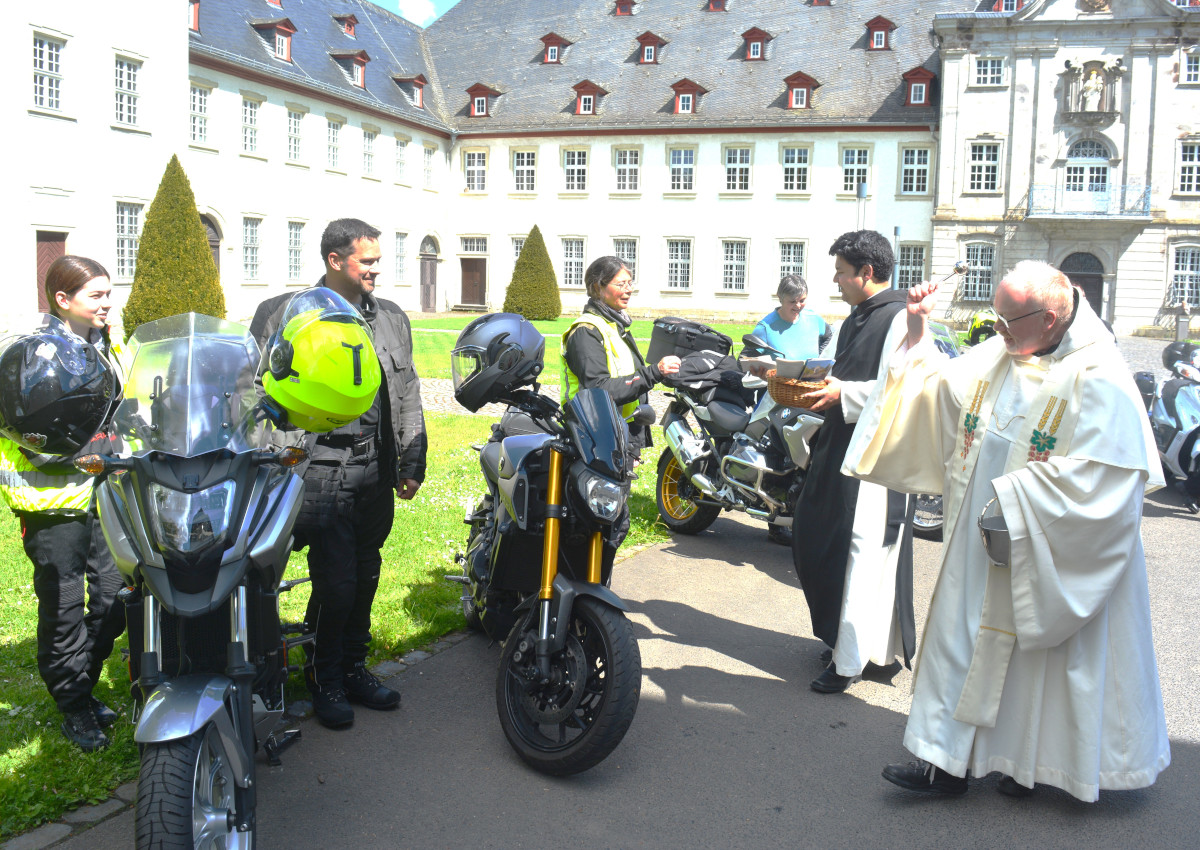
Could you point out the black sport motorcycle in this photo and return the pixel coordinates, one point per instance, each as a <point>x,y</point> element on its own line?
<point>198,514</point>
<point>537,569</point>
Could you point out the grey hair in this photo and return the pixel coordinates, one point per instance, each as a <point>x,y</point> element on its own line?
<point>1051,288</point>
<point>791,286</point>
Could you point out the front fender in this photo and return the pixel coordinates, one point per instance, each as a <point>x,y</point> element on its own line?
<point>183,706</point>
<point>566,591</point>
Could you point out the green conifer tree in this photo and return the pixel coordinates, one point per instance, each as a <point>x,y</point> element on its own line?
<point>175,270</point>
<point>533,290</point>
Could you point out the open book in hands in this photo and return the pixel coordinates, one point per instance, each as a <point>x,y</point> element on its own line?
<point>813,369</point>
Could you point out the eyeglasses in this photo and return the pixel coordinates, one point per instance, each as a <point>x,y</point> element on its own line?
<point>1008,323</point>
<point>627,285</point>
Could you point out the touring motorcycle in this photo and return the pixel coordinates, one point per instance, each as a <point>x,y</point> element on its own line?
<point>198,514</point>
<point>1174,410</point>
<point>540,549</point>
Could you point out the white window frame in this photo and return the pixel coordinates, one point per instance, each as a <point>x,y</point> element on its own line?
<point>792,253</point>
<point>358,74</point>
<point>479,107</point>
<point>859,170</point>
<point>575,169</point>
<point>518,243</point>
<point>333,143</point>
<point>878,39</point>
<point>1185,273</point>
<point>755,50</point>
<point>198,114</point>
<point>795,160</point>
<point>685,103</point>
<point>734,254</point>
<point>129,234</point>
<point>552,53</point>
<point>400,160</point>
<point>989,71</point>
<point>917,94</point>
<point>368,151</point>
<point>979,283</point>
<point>738,159</point>
<point>295,250</point>
<point>251,228</point>
<point>400,257</point>
<point>428,166</point>
<point>679,264</point>
<point>1191,68</point>
<point>911,261</point>
<point>799,97</point>
<point>125,89</point>
<point>915,174</point>
<point>47,72</point>
<point>477,245</point>
<point>627,168</point>
<point>586,102</point>
<point>281,45</point>
<point>475,171</point>
<point>648,52</point>
<point>626,249</point>
<point>524,165</point>
<point>295,135</point>
<point>250,108</point>
<point>1187,167</point>
<point>572,254</point>
<point>983,167</point>
<point>681,173</point>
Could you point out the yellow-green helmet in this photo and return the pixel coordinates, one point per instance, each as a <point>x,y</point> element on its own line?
<point>321,369</point>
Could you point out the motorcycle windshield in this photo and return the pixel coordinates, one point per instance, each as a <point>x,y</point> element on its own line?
<point>191,389</point>
<point>598,431</point>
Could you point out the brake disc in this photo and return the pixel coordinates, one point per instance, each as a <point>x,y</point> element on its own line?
<point>554,701</point>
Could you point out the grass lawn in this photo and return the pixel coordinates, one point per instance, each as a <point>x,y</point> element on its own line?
<point>42,775</point>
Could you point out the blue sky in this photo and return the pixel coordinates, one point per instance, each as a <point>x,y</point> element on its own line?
<point>423,12</point>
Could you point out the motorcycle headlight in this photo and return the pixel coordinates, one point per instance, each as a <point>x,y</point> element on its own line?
<point>604,498</point>
<point>189,523</point>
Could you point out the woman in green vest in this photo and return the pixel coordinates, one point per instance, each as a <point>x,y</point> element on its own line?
<point>599,351</point>
<point>60,532</point>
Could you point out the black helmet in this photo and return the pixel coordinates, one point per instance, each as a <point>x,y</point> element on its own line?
<point>495,355</point>
<point>1188,352</point>
<point>55,390</point>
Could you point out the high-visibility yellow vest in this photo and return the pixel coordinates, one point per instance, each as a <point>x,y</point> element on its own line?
<point>27,489</point>
<point>620,359</point>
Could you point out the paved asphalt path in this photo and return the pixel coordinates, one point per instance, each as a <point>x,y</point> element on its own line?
<point>729,748</point>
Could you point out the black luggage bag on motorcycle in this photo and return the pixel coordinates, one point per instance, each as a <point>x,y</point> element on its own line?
<point>681,337</point>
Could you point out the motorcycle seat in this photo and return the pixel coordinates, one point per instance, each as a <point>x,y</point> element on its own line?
<point>730,418</point>
<point>489,459</point>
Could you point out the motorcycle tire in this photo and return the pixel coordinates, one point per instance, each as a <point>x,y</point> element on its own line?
<point>678,513</point>
<point>928,519</point>
<point>185,790</point>
<point>572,722</point>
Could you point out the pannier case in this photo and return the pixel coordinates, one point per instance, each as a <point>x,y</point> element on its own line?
<point>681,337</point>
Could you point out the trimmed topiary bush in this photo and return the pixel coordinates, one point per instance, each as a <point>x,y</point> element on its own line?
<point>175,270</point>
<point>533,290</point>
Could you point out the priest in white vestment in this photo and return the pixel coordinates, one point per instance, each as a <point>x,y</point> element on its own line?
<point>1042,668</point>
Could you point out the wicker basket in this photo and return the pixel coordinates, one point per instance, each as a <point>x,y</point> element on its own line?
<point>789,392</point>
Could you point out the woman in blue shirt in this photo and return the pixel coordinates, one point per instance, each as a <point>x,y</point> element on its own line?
<point>789,328</point>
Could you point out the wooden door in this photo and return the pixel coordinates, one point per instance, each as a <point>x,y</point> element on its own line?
<point>428,284</point>
<point>474,281</point>
<point>50,246</point>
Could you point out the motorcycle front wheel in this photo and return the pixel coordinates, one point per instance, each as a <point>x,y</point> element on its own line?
<point>185,795</point>
<point>679,513</point>
<point>928,519</point>
<point>573,721</point>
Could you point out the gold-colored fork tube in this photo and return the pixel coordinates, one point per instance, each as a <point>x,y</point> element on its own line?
<point>595,553</point>
<point>554,499</point>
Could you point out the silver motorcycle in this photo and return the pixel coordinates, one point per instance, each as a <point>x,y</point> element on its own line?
<point>1174,410</point>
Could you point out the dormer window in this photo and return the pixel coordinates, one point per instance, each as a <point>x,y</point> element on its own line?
<point>918,87</point>
<point>820,2</point>
<point>756,43</point>
<point>1016,5</point>
<point>800,88</point>
<point>277,34</point>
<point>481,96</point>
<point>624,7</point>
<point>347,23</point>
<point>354,65</point>
<point>716,5</point>
<point>879,31</point>
<point>687,96</point>
<point>587,97</point>
<point>414,87</point>
<point>651,47</point>
<point>556,45</point>
<point>194,15</point>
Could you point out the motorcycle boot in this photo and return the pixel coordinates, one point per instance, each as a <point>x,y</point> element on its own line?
<point>80,728</point>
<point>329,703</point>
<point>363,687</point>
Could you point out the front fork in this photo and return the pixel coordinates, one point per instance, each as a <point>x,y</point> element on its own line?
<point>554,515</point>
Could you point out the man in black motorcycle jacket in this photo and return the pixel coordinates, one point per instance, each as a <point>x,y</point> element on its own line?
<point>348,482</point>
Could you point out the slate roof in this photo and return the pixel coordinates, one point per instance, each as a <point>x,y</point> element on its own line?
<point>500,41</point>
<point>396,48</point>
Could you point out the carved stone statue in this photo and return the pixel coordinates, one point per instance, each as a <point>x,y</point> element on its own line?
<point>1091,92</point>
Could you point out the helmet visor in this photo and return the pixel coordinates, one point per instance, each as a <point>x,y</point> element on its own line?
<point>466,363</point>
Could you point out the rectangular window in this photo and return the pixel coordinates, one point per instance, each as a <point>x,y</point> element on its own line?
<point>685,104</point>
<point>737,169</point>
<point>129,231</point>
<point>401,257</point>
<point>683,169</point>
<point>626,249</point>
<point>914,171</point>
<point>518,246</point>
<point>474,244</point>
<point>989,72</point>
<point>249,126</point>
<point>628,170</point>
<point>855,162</point>
<point>525,171</point>
<point>333,135</point>
<point>791,258</point>
<point>585,104</point>
<point>199,115</point>
<point>428,168</point>
<point>399,165</point>
<point>916,94</point>
<point>795,169</point>
<point>756,50</point>
<point>47,73</point>
<point>126,83</point>
<point>1191,68</point>
<point>575,163</point>
<point>281,45</point>
<point>1185,277</point>
<point>369,152</point>
<point>733,272</point>
<point>647,53</point>
<point>799,98</point>
<point>572,262</point>
<point>295,121</point>
<point>910,265</point>
<point>295,249</point>
<point>480,107</point>
<point>977,285</point>
<point>985,168</point>
<point>552,53</point>
<point>878,40</point>
<point>1189,167</point>
<point>679,264</point>
<point>475,163</point>
<point>250,248</point>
